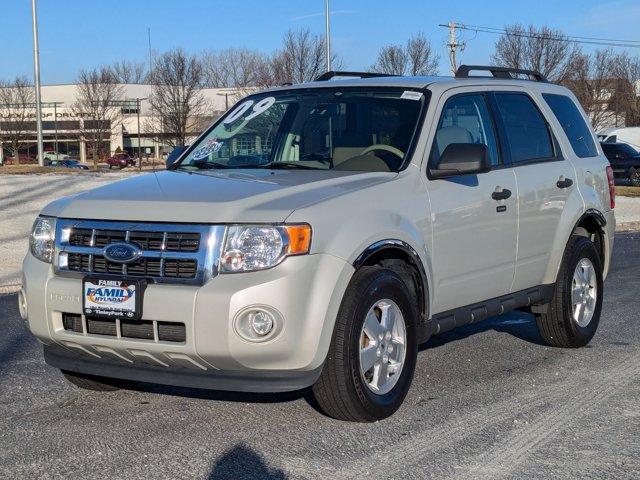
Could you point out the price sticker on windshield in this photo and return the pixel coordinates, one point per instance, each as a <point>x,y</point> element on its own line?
<point>257,108</point>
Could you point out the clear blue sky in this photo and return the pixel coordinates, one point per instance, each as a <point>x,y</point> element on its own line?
<point>83,33</point>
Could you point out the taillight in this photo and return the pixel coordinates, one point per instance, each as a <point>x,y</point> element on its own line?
<point>612,187</point>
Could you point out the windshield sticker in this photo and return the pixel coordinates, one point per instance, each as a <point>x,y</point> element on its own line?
<point>411,95</point>
<point>212,146</point>
<point>258,109</point>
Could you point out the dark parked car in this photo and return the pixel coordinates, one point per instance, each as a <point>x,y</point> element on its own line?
<point>68,164</point>
<point>624,160</point>
<point>121,160</point>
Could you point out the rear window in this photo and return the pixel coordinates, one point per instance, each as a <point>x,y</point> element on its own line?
<point>528,136</point>
<point>573,124</point>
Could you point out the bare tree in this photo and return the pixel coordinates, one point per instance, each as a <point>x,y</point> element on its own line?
<point>546,50</point>
<point>417,57</point>
<point>233,68</point>
<point>627,95</point>
<point>302,58</point>
<point>17,109</point>
<point>177,79</point>
<point>97,95</point>
<point>392,59</point>
<point>126,71</point>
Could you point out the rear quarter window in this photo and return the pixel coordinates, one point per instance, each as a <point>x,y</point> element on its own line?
<point>573,124</point>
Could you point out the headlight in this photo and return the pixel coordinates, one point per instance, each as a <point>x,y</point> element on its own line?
<point>42,239</point>
<point>257,247</point>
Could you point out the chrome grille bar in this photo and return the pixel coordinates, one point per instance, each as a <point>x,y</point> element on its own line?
<point>193,267</point>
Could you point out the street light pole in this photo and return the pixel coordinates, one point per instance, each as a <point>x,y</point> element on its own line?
<point>139,136</point>
<point>327,34</point>
<point>36,74</point>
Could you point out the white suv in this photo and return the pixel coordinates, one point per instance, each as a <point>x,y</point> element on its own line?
<point>316,234</point>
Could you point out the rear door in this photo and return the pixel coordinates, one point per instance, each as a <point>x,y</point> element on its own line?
<point>474,234</point>
<point>544,177</point>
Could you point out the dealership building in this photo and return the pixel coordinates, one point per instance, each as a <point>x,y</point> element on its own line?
<point>62,130</point>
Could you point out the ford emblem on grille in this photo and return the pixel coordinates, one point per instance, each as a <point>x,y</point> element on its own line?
<point>122,252</point>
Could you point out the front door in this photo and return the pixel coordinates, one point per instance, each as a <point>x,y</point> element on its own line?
<point>474,217</point>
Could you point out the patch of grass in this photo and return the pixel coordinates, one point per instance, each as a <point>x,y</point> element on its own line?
<point>31,169</point>
<point>34,169</point>
<point>628,191</point>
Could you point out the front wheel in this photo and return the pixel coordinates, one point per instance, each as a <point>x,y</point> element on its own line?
<point>571,318</point>
<point>634,177</point>
<point>372,357</point>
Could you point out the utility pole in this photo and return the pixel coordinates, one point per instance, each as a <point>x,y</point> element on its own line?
<point>327,34</point>
<point>36,74</point>
<point>453,45</point>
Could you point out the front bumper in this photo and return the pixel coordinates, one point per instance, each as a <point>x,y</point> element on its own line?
<point>305,290</point>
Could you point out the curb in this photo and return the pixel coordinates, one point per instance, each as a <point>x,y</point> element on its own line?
<point>628,227</point>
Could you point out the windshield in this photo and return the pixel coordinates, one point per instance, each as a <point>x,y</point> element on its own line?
<point>341,129</point>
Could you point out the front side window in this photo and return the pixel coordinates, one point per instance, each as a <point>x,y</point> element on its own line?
<point>527,134</point>
<point>323,129</point>
<point>465,119</point>
<point>573,124</point>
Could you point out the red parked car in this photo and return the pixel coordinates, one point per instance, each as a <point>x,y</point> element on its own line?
<point>121,160</point>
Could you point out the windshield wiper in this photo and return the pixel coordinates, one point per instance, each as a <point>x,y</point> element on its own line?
<point>285,165</point>
<point>206,165</point>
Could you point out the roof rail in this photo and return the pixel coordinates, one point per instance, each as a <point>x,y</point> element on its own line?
<point>498,72</point>
<point>333,73</point>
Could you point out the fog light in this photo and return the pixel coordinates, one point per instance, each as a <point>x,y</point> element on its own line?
<point>261,322</point>
<point>258,323</point>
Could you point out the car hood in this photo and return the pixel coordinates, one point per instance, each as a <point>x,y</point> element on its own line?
<point>256,195</point>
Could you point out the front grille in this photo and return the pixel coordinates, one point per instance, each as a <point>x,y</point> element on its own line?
<point>153,241</point>
<point>144,267</point>
<point>138,329</point>
<point>170,253</point>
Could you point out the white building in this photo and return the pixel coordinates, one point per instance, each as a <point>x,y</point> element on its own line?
<point>61,126</point>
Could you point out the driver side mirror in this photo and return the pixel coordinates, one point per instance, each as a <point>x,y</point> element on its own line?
<point>462,159</point>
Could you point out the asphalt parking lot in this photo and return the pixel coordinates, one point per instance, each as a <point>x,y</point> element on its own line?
<point>488,401</point>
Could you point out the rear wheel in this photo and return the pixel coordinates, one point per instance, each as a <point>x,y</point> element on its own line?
<point>634,177</point>
<point>370,364</point>
<point>98,384</point>
<point>571,318</point>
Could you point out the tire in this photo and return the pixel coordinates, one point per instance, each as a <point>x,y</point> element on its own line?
<point>97,384</point>
<point>556,323</point>
<point>634,177</point>
<point>342,391</point>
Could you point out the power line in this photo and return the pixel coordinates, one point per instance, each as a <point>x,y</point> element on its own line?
<point>575,37</point>
<point>559,38</point>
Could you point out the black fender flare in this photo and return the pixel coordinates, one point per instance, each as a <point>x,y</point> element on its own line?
<point>414,258</point>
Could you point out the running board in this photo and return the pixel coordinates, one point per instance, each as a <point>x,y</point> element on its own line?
<point>457,317</point>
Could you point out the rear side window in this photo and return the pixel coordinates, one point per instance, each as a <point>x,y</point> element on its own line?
<point>573,124</point>
<point>528,137</point>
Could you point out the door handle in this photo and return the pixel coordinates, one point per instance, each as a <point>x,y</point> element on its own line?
<point>501,194</point>
<point>564,182</point>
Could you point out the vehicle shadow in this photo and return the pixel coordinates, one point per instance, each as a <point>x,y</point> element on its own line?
<point>518,324</point>
<point>242,462</point>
